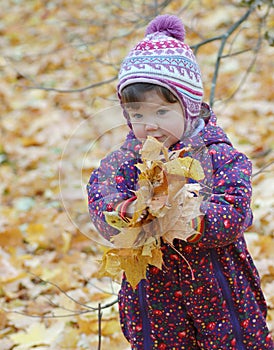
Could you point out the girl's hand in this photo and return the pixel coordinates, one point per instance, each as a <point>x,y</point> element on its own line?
<point>130,209</point>
<point>127,209</point>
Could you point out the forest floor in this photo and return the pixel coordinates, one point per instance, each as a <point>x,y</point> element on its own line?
<point>51,140</point>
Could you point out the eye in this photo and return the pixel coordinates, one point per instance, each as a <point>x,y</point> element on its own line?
<point>136,116</point>
<point>162,111</point>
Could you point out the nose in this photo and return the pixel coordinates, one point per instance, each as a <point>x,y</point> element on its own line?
<point>151,125</point>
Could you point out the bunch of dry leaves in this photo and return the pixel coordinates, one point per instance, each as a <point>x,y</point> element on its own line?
<point>170,203</point>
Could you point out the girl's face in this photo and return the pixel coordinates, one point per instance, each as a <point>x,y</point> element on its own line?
<point>156,117</point>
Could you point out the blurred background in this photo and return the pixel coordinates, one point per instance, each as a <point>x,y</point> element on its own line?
<point>59,115</point>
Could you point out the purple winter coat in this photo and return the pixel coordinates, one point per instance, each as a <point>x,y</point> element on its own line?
<point>223,306</point>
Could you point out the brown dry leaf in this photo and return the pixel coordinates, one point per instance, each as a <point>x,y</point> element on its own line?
<point>180,153</point>
<point>36,234</point>
<point>144,196</point>
<point>156,257</point>
<point>181,230</point>
<point>188,208</point>
<point>186,167</point>
<point>12,236</point>
<point>3,319</point>
<point>175,167</point>
<point>265,244</point>
<point>133,262</point>
<point>126,238</point>
<point>110,265</point>
<point>87,324</point>
<point>168,201</point>
<point>135,265</point>
<point>8,272</point>
<point>175,185</point>
<point>151,149</point>
<point>39,306</point>
<point>191,201</point>
<point>157,203</point>
<point>160,187</point>
<point>114,220</point>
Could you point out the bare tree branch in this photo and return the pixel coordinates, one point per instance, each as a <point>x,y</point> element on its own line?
<point>76,313</point>
<point>87,308</point>
<point>100,83</point>
<point>224,39</point>
<point>262,170</point>
<point>99,326</point>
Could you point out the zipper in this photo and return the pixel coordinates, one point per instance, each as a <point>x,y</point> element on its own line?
<point>228,298</point>
<point>144,315</point>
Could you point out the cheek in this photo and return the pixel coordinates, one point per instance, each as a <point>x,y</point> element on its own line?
<point>138,130</point>
<point>176,127</point>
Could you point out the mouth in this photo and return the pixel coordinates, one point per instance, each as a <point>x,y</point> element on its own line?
<point>159,138</point>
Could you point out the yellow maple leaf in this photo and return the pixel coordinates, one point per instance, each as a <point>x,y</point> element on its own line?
<point>133,261</point>
<point>135,266</point>
<point>37,334</point>
<point>114,220</point>
<point>187,167</point>
<point>110,265</point>
<point>153,252</point>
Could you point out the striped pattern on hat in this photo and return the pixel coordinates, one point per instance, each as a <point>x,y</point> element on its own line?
<point>163,58</point>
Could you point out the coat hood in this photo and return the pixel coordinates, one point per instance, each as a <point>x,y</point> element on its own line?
<point>212,133</point>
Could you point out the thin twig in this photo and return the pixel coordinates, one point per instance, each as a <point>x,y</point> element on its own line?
<point>77,313</point>
<point>100,83</point>
<point>236,53</point>
<point>196,47</point>
<point>45,316</point>
<point>51,303</point>
<point>102,290</point>
<point>263,168</point>
<point>224,39</point>
<point>99,326</point>
<point>64,292</point>
<point>90,309</point>
<point>247,72</point>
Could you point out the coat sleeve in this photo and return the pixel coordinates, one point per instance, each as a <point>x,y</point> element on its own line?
<point>110,184</point>
<point>228,212</point>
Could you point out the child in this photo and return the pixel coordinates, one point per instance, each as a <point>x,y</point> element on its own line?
<point>221,306</point>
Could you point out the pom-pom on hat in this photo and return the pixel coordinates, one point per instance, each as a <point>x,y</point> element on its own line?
<point>163,58</point>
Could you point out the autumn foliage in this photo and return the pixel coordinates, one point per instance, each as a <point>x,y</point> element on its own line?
<point>60,115</point>
<point>169,203</point>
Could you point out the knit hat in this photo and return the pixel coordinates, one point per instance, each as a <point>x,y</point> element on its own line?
<point>163,58</point>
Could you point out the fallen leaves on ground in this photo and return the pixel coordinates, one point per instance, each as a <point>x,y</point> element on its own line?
<point>43,214</point>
